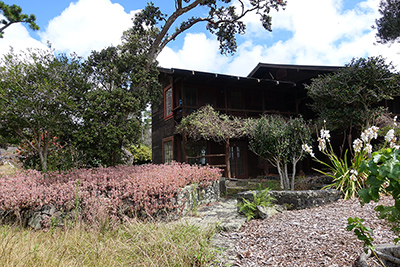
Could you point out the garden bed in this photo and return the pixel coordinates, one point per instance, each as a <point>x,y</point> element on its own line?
<point>104,194</point>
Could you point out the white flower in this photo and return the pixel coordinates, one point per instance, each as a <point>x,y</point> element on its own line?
<point>353,175</point>
<point>369,134</point>
<point>357,145</point>
<point>308,149</point>
<point>396,147</point>
<point>368,148</point>
<point>395,118</point>
<point>389,135</point>
<point>325,134</point>
<point>321,144</point>
<point>374,132</point>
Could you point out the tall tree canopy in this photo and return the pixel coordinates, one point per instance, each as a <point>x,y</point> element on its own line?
<point>349,97</point>
<point>389,24</point>
<point>222,19</point>
<point>14,14</point>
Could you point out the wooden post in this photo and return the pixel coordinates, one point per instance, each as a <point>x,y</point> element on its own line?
<point>227,163</point>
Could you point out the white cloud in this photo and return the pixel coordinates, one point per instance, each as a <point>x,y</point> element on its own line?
<point>198,53</point>
<point>17,37</point>
<point>87,25</point>
<point>320,33</point>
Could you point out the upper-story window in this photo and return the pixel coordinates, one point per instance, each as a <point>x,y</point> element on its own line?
<point>191,97</point>
<point>168,102</point>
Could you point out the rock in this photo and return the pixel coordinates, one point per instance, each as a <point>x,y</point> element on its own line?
<point>35,221</point>
<point>267,212</point>
<point>298,199</point>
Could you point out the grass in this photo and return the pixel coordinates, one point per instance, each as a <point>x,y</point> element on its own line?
<point>133,244</point>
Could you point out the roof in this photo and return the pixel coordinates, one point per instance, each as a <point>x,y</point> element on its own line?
<point>293,73</point>
<point>200,77</point>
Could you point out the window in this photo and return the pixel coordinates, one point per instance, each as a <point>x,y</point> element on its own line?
<point>197,150</point>
<point>167,150</point>
<point>168,102</point>
<point>191,97</point>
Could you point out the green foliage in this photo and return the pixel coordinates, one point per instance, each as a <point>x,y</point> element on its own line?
<point>223,20</point>
<point>261,198</point>
<point>384,176</point>
<point>208,124</point>
<point>362,232</point>
<point>13,14</point>
<point>141,153</point>
<point>347,173</point>
<point>124,82</point>
<point>348,97</point>
<point>280,142</point>
<point>388,25</point>
<point>39,94</point>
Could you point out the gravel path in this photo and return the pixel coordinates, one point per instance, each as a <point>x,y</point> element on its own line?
<point>310,237</point>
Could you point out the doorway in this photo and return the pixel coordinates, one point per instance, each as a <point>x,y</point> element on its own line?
<point>237,155</point>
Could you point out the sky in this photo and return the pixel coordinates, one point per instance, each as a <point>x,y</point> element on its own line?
<point>307,32</point>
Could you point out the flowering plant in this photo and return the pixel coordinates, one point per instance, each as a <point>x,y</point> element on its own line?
<point>346,173</point>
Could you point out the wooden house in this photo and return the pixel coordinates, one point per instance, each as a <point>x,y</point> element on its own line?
<point>268,89</point>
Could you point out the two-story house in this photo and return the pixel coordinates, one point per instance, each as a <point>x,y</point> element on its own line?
<point>268,89</point>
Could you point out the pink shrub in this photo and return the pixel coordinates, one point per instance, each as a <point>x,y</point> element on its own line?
<point>103,190</point>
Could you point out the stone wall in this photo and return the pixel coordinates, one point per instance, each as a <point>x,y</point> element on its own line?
<point>299,199</point>
<point>188,198</point>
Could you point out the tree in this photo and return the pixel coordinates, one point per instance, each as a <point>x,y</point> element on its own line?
<point>222,19</point>
<point>388,25</point>
<point>111,110</point>
<point>349,97</point>
<point>37,98</point>
<point>208,124</point>
<point>14,14</point>
<point>280,142</point>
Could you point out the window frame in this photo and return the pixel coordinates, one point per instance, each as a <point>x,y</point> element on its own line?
<point>169,115</point>
<point>164,141</point>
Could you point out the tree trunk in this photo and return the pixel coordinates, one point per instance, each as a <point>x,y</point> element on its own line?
<point>227,163</point>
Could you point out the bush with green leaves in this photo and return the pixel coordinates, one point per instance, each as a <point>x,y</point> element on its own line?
<point>384,177</point>
<point>260,198</point>
<point>279,141</point>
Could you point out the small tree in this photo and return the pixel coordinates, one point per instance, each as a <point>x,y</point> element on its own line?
<point>280,142</point>
<point>208,124</point>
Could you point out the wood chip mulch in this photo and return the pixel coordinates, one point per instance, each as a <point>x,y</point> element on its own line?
<point>310,237</point>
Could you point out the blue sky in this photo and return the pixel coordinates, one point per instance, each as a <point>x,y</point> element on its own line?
<point>308,32</point>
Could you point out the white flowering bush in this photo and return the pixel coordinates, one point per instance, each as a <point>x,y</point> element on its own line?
<point>347,174</point>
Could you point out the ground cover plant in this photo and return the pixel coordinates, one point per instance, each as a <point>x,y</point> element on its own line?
<point>103,193</point>
<point>134,244</point>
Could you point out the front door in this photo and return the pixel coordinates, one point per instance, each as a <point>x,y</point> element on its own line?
<point>237,160</point>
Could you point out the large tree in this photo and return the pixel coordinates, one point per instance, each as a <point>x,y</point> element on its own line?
<point>13,14</point>
<point>388,25</point>
<point>348,98</point>
<point>222,18</point>
<point>111,109</point>
<point>38,96</point>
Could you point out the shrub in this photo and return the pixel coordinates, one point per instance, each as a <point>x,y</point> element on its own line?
<point>144,188</point>
<point>261,198</point>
